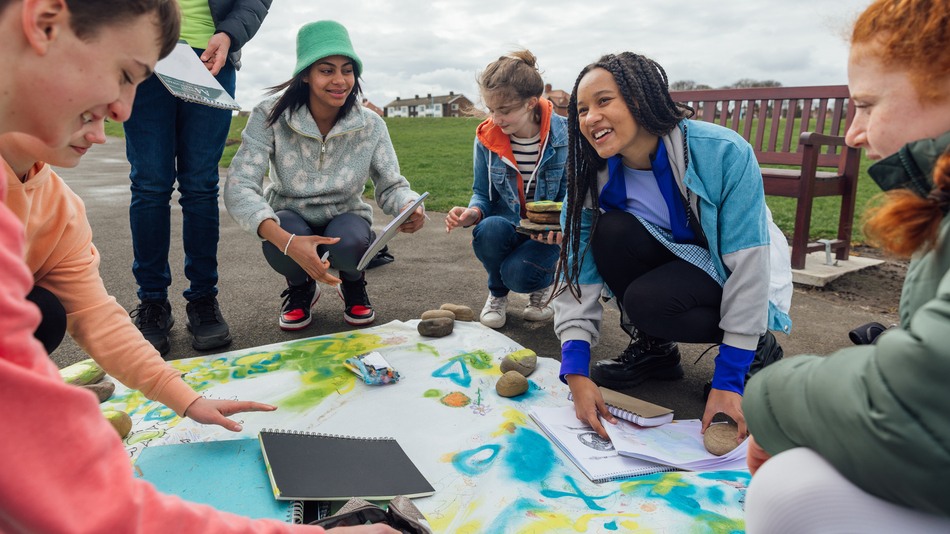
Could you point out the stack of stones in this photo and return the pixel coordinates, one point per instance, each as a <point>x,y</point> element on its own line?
<point>88,375</point>
<point>439,323</point>
<point>516,368</point>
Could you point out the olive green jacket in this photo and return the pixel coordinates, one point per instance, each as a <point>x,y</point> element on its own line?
<point>878,413</point>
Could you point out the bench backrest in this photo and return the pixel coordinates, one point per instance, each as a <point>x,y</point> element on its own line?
<point>772,119</point>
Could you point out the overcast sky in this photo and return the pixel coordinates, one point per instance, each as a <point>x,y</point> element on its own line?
<point>411,47</point>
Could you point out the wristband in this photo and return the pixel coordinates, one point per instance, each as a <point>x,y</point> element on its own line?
<point>292,236</point>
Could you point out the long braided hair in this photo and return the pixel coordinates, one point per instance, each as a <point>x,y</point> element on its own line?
<point>645,88</point>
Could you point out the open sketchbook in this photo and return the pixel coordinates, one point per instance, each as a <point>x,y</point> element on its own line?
<point>593,455</point>
<point>678,444</point>
<point>185,76</point>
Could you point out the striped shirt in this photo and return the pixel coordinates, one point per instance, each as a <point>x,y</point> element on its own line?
<point>526,151</point>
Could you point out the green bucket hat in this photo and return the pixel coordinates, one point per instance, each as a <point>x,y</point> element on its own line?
<point>322,39</point>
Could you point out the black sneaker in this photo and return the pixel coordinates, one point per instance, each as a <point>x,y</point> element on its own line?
<point>295,313</point>
<point>767,352</point>
<point>646,357</point>
<point>206,324</point>
<point>358,310</point>
<point>154,319</point>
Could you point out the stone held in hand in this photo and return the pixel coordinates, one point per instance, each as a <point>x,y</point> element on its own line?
<point>432,314</point>
<point>437,327</point>
<point>103,389</point>
<point>462,313</point>
<point>720,438</point>
<point>524,361</point>
<point>511,384</point>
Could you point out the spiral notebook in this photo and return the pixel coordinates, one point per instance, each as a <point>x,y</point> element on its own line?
<point>323,467</point>
<point>228,475</point>
<point>637,411</point>
<point>594,456</point>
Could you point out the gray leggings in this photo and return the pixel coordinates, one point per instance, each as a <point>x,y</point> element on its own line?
<point>355,237</point>
<point>799,491</point>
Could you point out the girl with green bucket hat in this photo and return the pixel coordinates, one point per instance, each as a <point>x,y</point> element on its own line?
<point>320,147</point>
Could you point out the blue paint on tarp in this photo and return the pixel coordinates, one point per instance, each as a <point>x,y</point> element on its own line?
<point>529,455</point>
<point>475,461</point>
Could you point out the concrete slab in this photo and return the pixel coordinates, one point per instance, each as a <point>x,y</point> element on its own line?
<point>818,273</point>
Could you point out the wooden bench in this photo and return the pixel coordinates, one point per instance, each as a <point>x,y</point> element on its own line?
<point>801,129</point>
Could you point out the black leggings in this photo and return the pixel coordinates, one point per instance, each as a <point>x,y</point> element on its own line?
<point>52,328</point>
<point>355,237</point>
<point>662,295</point>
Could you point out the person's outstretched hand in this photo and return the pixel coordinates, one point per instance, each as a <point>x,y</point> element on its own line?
<point>216,54</point>
<point>755,455</point>
<point>303,250</point>
<point>459,216</point>
<point>216,412</point>
<point>729,403</point>
<point>589,403</point>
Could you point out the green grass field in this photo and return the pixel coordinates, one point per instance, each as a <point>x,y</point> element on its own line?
<point>435,154</point>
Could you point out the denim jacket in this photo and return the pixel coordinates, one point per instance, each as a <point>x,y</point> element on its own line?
<point>716,169</point>
<point>498,184</point>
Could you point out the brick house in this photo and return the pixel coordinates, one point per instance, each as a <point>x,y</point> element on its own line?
<point>372,107</point>
<point>557,97</point>
<point>450,105</point>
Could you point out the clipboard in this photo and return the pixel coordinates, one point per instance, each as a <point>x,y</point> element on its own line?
<point>389,232</point>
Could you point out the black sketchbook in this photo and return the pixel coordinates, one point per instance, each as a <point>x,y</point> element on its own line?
<point>307,467</point>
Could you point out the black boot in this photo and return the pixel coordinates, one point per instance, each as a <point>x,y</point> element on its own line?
<point>767,352</point>
<point>646,357</point>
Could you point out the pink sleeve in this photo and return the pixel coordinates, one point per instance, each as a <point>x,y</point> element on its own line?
<point>70,270</point>
<point>64,467</point>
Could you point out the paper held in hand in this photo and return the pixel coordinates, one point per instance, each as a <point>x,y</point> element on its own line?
<point>389,232</point>
<point>186,77</point>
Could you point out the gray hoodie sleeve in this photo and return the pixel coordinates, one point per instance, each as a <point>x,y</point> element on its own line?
<point>392,188</point>
<point>243,190</point>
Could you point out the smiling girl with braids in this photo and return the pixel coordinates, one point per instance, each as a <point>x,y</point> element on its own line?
<point>670,214</point>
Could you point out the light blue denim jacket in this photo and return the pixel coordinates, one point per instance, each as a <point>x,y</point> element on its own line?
<point>724,184</point>
<point>495,187</point>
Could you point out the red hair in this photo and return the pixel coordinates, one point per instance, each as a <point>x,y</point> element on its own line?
<point>907,222</point>
<point>912,35</point>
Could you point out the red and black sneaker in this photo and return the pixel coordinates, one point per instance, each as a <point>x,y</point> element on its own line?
<point>358,310</point>
<point>295,313</point>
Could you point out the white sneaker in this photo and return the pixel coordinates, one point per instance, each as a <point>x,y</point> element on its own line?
<point>494,312</point>
<point>538,308</point>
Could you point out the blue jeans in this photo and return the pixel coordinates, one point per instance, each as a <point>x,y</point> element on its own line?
<point>169,140</point>
<point>514,261</point>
